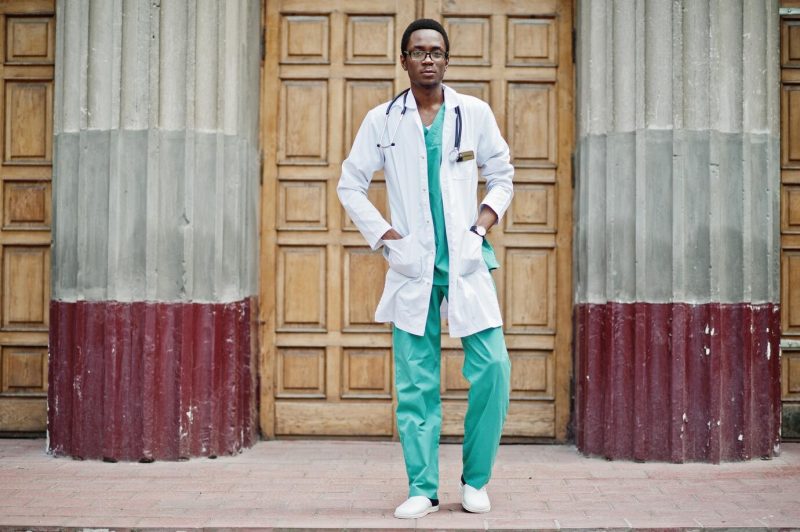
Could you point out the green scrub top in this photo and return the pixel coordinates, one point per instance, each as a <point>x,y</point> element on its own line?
<point>441,266</point>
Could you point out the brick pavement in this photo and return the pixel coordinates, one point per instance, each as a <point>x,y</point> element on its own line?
<point>343,484</point>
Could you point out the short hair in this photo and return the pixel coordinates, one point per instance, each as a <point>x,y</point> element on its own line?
<point>423,24</point>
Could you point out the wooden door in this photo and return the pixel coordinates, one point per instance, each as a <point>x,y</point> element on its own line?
<point>326,368</point>
<point>790,221</point>
<point>26,106</point>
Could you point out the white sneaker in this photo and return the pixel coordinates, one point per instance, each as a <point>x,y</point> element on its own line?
<point>475,501</point>
<point>415,507</point>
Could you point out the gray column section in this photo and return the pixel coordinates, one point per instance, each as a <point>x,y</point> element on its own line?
<point>155,188</point>
<point>677,189</point>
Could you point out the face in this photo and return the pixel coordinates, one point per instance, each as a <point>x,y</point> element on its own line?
<point>428,72</point>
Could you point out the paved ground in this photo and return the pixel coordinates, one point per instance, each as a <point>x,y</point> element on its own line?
<point>315,484</point>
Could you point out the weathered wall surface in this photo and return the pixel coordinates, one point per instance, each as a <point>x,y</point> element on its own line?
<point>155,206</point>
<point>156,138</point>
<point>677,215</point>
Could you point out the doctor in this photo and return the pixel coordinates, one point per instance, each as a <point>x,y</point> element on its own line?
<point>430,142</point>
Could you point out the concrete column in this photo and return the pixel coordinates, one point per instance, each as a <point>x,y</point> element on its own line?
<point>677,230</point>
<point>155,252</point>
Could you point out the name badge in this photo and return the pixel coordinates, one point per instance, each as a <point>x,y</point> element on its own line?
<point>465,156</point>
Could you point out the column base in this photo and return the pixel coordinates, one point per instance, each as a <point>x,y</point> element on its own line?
<point>678,382</point>
<point>151,381</point>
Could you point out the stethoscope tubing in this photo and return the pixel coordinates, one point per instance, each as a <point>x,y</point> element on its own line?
<point>385,130</point>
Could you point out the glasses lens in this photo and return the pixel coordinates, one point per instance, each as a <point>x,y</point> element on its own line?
<point>419,55</point>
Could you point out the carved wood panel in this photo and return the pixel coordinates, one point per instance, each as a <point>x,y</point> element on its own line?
<point>303,103</point>
<point>367,373</point>
<point>24,370</point>
<point>26,205</point>
<point>370,39</point>
<point>302,278</point>
<point>301,372</point>
<point>790,43</point>
<point>470,40</point>
<point>30,39</point>
<point>531,41</point>
<point>531,124</point>
<point>26,287</point>
<point>363,272</point>
<point>304,39</point>
<point>28,122</point>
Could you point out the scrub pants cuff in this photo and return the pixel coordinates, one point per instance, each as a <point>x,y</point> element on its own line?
<point>416,493</point>
<point>463,482</point>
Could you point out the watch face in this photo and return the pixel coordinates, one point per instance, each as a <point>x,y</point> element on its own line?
<point>481,230</point>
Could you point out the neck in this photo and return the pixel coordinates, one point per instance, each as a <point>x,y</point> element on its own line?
<point>428,96</point>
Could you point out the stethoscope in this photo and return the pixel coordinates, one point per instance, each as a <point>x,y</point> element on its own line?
<point>455,154</point>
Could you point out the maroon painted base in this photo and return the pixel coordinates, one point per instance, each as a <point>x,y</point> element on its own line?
<point>677,382</point>
<point>151,381</point>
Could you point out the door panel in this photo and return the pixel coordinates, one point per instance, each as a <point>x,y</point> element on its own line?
<point>326,365</point>
<point>790,223</point>
<point>28,42</point>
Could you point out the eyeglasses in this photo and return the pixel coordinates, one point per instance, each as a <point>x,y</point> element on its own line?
<point>420,55</point>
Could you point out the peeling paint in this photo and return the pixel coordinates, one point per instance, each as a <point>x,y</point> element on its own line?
<point>650,397</point>
<point>181,383</point>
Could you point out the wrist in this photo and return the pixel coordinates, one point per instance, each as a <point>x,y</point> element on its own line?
<point>479,230</point>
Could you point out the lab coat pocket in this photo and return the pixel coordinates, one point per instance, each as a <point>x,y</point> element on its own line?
<point>471,253</point>
<point>404,257</point>
<point>465,170</point>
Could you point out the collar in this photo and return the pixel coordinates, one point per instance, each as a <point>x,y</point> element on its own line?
<point>451,97</point>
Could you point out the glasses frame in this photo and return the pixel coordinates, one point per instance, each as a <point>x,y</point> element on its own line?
<point>408,53</point>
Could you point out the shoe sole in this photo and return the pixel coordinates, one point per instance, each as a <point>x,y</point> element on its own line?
<point>475,511</point>
<point>417,516</point>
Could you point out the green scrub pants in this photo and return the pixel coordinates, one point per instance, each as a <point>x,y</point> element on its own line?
<point>419,407</point>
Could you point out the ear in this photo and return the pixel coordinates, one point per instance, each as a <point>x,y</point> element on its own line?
<point>403,62</point>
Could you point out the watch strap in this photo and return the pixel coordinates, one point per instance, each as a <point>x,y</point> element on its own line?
<point>474,229</point>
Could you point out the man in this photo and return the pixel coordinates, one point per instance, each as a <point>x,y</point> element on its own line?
<point>430,142</point>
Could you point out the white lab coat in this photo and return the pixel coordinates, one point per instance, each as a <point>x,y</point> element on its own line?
<point>472,305</point>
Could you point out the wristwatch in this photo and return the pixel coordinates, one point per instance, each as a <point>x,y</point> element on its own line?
<point>478,230</point>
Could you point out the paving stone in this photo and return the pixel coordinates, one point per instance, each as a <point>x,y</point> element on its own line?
<point>356,486</point>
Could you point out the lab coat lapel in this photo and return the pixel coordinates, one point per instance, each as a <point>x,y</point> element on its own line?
<point>413,110</point>
<point>451,101</point>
